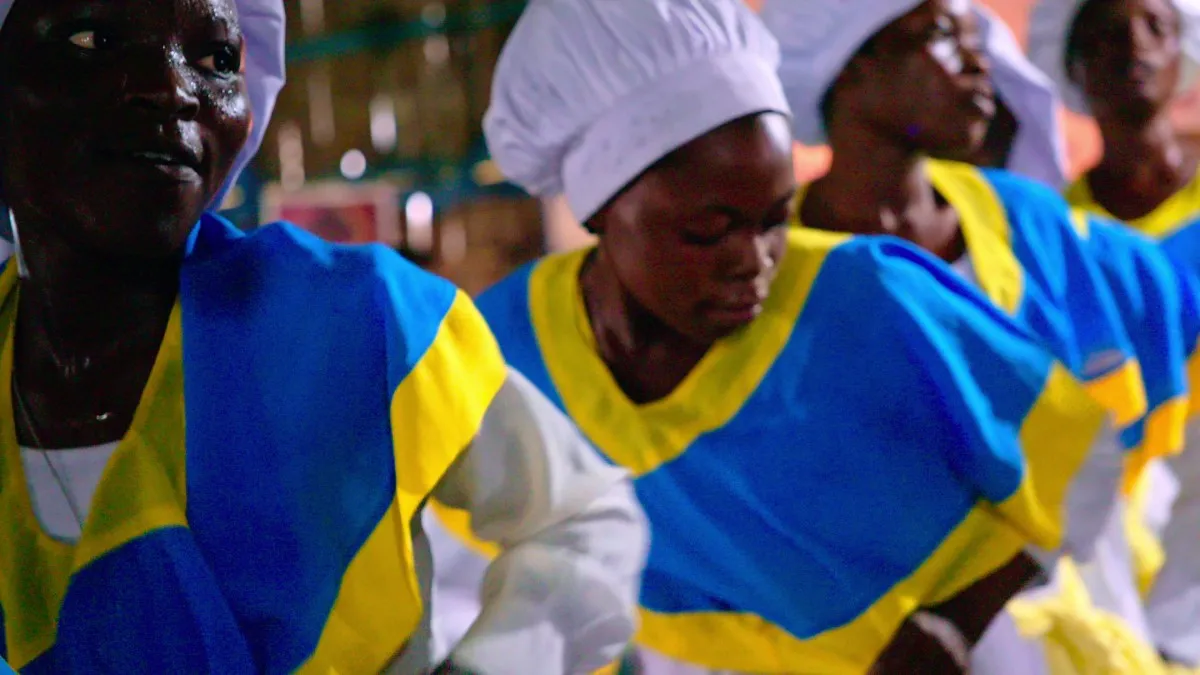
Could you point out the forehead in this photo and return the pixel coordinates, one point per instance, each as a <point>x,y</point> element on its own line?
<point>754,152</point>
<point>928,12</point>
<point>1097,12</point>
<point>42,15</point>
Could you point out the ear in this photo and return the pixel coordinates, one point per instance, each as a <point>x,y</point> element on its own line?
<point>598,223</point>
<point>1076,72</point>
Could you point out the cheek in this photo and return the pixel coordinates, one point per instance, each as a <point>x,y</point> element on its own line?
<point>230,121</point>
<point>776,241</point>
<point>663,275</point>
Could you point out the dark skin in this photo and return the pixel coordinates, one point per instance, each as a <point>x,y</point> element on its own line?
<point>119,120</point>
<point>919,88</point>
<point>998,143</point>
<point>1125,56</point>
<point>687,253</point>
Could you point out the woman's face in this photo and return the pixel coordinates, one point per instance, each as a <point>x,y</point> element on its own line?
<point>1125,54</point>
<point>696,240</point>
<point>119,119</point>
<point>923,79</point>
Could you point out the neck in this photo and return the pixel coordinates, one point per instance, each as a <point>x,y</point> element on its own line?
<point>78,312</point>
<point>620,323</point>
<point>878,186</point>
<point>647,358</point>
<point>867,185</point>
<point>1143,165</point>
<point>1130,148</point>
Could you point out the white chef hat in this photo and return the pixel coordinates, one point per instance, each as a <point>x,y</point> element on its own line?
<point>1050,25</point>
<point>588,94</point>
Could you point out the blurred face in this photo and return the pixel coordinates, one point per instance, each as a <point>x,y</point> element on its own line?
<point>923,80</point>
<point>697,239</point>
<point>119,119</point>
<point>1125,55</point>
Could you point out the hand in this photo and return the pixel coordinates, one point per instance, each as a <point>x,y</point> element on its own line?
<point>913,650</point>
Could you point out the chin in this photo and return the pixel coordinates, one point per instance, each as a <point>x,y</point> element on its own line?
<point>146,235</point>
<point>961,148</point>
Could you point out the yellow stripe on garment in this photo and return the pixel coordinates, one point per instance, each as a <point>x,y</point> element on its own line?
<point>1162,436</point>
<point>458,523</point>
<point>989,239</point>
<point>142,489</point>
<point>1121,392</point>
<point>436,411</point>
<point>988,538</point>
<point>985,229</point>
<point>1193,376</point>
<point>643,437</point>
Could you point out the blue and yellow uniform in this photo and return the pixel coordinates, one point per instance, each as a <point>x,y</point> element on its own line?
<point>1172,225</point>
<point>1061,276</point>
<point>1171,605</point>
<point>226,544</point>
<point>877,440</point>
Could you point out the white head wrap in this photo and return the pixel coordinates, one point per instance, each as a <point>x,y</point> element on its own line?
<point>1039,150</point>
<point>1050,25</point>
<point>588,94</point>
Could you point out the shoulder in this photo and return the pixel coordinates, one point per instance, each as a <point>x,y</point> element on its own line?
<point>1011,187</point>
<point>887,286</point>
<point>507,300</point>
<point>284,277</point>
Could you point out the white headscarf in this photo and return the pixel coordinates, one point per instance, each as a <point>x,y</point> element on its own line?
<point>1050,25</point>
<point>263,24</point>
<point>588,94</point>
<point>1039,151</point>
<point>818,38</point>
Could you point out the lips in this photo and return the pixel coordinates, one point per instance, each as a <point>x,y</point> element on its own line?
<point>982,98</point>
<point>1142,72</point>
<point>740,308</point>
<point>171,156</point>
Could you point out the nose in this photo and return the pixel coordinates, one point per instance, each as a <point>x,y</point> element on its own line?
<point>975,61</point>
<point>162,86</point>
<point>748,255</point>
<point>1141,35</point>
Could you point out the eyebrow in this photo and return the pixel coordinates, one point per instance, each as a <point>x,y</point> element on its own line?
<point>737,214</point>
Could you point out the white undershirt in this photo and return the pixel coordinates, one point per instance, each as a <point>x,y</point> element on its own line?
<point>79,470</point>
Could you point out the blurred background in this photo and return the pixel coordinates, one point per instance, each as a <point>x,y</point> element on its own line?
<point>377,137</point>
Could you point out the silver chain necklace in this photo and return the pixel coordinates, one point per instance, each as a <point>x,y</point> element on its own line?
<point>29,424</point>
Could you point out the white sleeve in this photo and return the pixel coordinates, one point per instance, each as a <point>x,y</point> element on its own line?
<point>1174,605</point>
<point>1091,499</point>
<point>562,596</point>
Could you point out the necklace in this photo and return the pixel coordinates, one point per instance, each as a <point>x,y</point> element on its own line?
<point>76,512</point>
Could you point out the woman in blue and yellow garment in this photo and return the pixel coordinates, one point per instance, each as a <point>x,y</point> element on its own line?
<point>891,83</point>
<point>1123,62</point>
<point>815,422</point>
<point>328,391</point>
